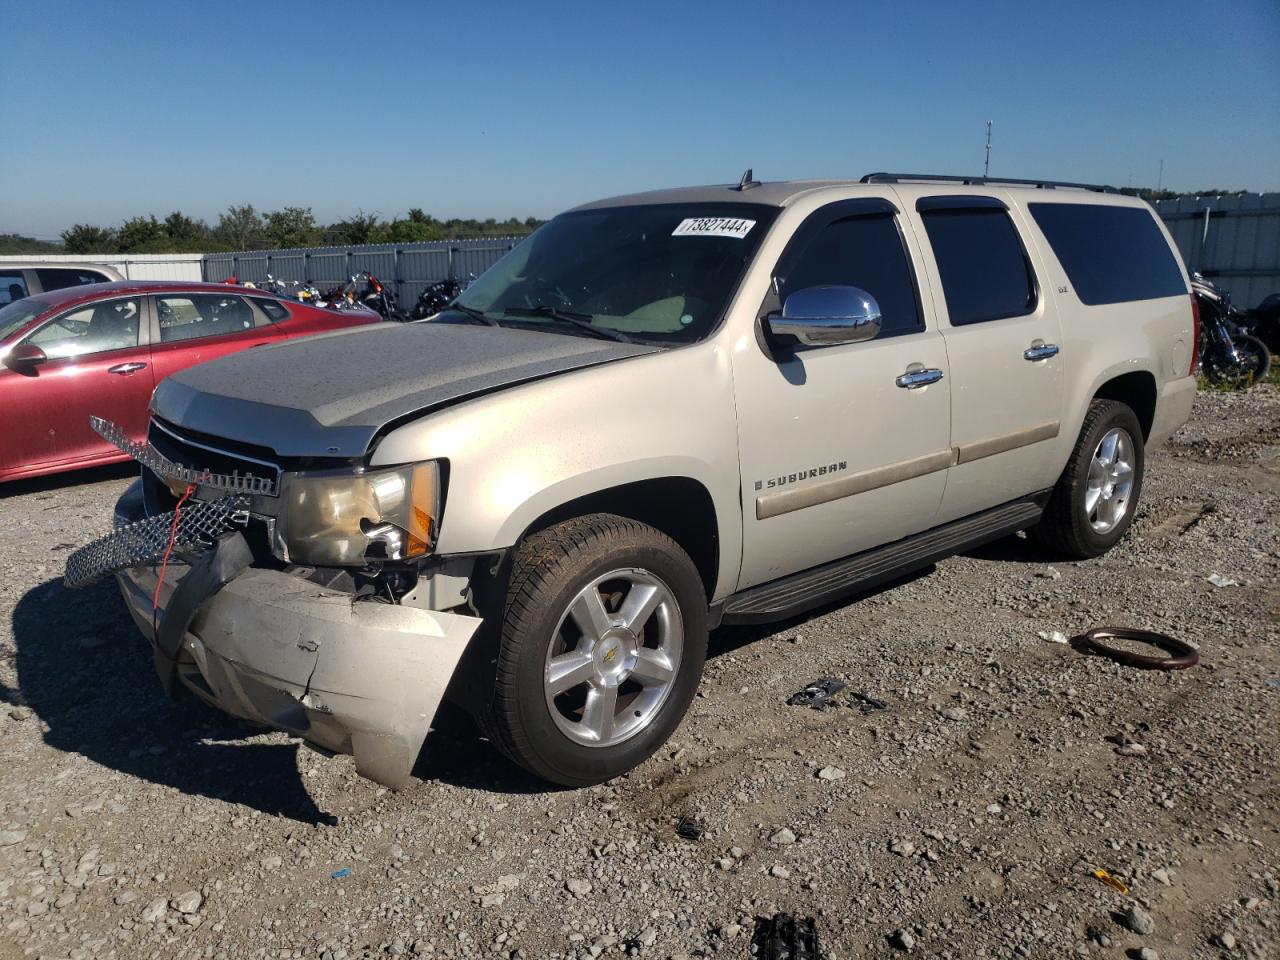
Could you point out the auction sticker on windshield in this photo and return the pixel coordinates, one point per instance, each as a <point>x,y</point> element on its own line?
<point>713,227</point>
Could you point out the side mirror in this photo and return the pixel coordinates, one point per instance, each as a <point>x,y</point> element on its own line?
<point>24,358</point>
<point>819,316</point>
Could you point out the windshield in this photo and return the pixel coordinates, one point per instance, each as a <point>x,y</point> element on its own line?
<point>14,316</point>
<point>660,272</point>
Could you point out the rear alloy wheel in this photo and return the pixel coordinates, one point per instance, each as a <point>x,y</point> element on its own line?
<point>1108,492</point>
<point>603,641</point>
<point>1093,503</point>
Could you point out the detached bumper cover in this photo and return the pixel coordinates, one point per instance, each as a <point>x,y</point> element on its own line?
<point>362,678</point>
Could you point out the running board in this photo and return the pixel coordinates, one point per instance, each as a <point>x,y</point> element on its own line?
<point>788,596</point>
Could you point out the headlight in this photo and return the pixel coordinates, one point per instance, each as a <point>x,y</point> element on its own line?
<point>348,519</point>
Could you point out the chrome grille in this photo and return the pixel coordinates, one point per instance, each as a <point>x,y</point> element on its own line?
<point>174,457</point>
<point>145,542</point>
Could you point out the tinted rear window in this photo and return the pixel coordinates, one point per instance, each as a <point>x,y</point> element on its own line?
<point>59,278</point>
<point>984,270</point>
<point>1110,254</point>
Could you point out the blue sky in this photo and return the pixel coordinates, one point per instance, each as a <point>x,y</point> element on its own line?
<point>497,109</point>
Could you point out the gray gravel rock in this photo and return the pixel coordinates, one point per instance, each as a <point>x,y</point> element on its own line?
<point>1138,920</point>
<point>154,910</point>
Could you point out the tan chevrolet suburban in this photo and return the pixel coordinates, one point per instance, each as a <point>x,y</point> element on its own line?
<point>659,413</point>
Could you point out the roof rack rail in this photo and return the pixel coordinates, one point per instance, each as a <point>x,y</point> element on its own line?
<point>983,181</point>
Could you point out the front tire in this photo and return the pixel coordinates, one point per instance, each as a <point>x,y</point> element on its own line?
<point>603,639</point>
<point>1094,501</point>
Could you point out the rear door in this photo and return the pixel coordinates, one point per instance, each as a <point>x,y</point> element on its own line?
<point>1003,343</point>
<point>192,328</point>
<point>98,366</point>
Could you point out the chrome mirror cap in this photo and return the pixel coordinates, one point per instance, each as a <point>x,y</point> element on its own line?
<point>818,316</point>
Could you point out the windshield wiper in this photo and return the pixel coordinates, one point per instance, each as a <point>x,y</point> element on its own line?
<point>580,320</point>
<point>477,315</point>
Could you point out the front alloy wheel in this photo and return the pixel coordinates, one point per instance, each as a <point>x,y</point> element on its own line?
<point>604,633</point>
<point>613,657</point>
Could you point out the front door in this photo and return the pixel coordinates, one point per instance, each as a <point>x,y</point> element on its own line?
<point>97,365</point>
<point>1003,337</point>
<point>839,452</point>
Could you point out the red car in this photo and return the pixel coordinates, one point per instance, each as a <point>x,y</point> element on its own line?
<point>101,349</point>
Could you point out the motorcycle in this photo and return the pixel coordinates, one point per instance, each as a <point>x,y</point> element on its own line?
<point>363,291</point>
<point>435,298</point>
<point>1229,354</point>
<point>378,298</point>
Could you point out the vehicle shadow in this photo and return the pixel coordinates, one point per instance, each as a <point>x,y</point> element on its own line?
<point>86,673</point>
<point>727,639</point>
<point>1013,549</point>
<point>72,478</point>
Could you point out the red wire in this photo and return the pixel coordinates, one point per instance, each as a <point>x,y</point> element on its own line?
<point>173,538</point>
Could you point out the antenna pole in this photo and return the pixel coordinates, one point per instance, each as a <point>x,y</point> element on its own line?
<point>1160,181</point>
<point>986,167</point>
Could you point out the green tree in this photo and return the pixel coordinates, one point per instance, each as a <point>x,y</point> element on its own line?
<point>183,232</point>
<point>142,235</point>
<point>419,228</point>
<point>362,228</point>
<point>240,228</point>
<point>85,238</point>
<point>291,227</point>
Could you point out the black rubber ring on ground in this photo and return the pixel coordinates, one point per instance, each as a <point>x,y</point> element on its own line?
<point>1185,655</point>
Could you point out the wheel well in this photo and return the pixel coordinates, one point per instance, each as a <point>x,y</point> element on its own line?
<point>680,507</point>
<point>1137,391</point>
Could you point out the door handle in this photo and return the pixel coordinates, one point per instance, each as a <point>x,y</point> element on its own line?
<point>1039,350</point>
<point>918,377</point>
<point>125,369</point>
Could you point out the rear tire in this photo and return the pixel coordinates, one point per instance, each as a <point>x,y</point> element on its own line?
<point>1094,501</point>
<point>1255,347</point>
<point>603,639</point>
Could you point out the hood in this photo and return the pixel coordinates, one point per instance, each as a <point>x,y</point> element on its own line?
<point>329,396</point>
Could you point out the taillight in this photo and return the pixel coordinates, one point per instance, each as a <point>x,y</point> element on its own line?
<point>1195,334</point>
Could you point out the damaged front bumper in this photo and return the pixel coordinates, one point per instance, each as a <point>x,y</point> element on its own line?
<point>349,676</point>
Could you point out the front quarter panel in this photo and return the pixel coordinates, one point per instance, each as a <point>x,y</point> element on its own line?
<point>516,454</point>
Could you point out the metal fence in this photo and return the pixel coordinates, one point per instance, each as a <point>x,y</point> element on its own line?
<point>408,268</point>
<point>1235,241</point>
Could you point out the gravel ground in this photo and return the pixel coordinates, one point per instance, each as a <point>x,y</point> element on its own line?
<point>962,820</point>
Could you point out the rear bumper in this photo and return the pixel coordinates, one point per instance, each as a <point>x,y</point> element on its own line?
<point>362,678</point>
<point>1173,409</point>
